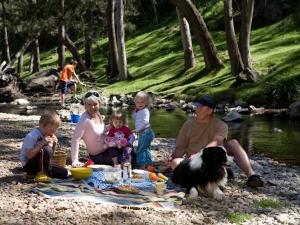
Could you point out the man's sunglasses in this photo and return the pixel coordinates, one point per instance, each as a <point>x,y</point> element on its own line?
<point>89,94</point>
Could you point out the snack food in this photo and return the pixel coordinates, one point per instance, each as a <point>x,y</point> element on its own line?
<point>137,176</point>
<point>160,175</point>
<point>113,175</point>
<point>127,189</point>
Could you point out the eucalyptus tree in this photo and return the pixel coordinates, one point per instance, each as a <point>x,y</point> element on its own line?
<point>200,30</point>
<point>239,52</point>
<point>113,58</point>
<point>29,19</point>
<point>120,35</point>
<point>61,35</point>
<point>237,65</point>
<point>6,51</point>
<point>189,58</point>
<point>83,19</point>
<point>244,39</point>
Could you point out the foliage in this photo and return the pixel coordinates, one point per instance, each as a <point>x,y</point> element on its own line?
<point>154,51</point>
<point>265,203</point>
<point>238,217</point>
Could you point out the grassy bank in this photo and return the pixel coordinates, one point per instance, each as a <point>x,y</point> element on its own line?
<point>155,63</point>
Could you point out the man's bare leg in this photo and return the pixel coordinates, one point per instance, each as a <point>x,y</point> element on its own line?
<point>234,148</point>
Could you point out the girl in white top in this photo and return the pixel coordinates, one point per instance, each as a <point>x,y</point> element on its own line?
<point>90,129</point>
<point>141,117</point>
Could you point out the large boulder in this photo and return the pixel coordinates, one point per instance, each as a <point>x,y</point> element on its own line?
<point>294,110</point>
<point>10,86</point>
<point>43,83</point>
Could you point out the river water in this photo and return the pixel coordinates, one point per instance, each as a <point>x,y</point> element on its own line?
<point>275,138</point>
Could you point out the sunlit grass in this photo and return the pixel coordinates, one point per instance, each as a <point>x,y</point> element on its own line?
<point>239,217</point>
<point>156,62</point>
<point>269,203</point>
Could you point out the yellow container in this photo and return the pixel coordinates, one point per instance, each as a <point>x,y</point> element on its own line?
<point>81,172</point>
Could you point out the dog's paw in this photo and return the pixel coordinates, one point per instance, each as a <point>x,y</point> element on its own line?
<point>218,195</point>
<point>193,193</point>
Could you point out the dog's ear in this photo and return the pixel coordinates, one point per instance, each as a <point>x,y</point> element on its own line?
<point>221,155</point>
<point>206,154</point>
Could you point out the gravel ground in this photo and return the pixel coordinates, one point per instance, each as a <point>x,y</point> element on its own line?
<point>19,206</point>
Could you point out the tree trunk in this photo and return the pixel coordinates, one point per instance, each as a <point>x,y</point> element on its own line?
<point>244,40</point>
<point>61,35</point>
<point>30,66</point>
<point>155,11</point>
<point>246,23</point>
<point>88,40</point>
<point>122,67</point>
<point>20,52</point>
<point>236,62</point>
<point>189,58</point>
<point>199,28</point>
<point>36,61</point>
<point>20,63</point>
<point>6,52</point>
<point>73,49</point>
<point>112,68</point>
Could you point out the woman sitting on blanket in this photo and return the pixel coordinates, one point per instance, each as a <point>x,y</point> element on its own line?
<point>90,129</point>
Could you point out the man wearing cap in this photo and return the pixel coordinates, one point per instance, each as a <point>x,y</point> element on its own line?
<point>206,130</point>
<point>66,81</point>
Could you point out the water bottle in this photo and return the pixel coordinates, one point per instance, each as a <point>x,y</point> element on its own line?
<point>125,174</point>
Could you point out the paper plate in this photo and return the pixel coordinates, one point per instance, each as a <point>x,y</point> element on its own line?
<point>138,171</point>
<point>100,167</point>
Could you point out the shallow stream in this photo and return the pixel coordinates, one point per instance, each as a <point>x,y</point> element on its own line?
<point>258,134</point>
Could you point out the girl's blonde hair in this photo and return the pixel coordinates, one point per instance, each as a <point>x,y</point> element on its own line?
<point>143,96</point>
<point>117,116</point>
<point>50,117</point>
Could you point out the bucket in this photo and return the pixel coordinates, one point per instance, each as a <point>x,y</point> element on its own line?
<point>59,158</point>
<point>75,118</point>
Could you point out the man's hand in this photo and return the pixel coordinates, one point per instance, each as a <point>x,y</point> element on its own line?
<point>168,159</point>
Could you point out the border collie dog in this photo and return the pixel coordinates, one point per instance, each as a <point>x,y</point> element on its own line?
<point>204,173</point>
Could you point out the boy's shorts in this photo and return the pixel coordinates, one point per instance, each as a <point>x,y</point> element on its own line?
<point>64,86</point>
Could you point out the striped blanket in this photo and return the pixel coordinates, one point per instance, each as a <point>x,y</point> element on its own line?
<point>95,189</point>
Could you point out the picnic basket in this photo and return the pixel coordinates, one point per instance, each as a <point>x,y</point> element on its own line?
<point>59,158</point>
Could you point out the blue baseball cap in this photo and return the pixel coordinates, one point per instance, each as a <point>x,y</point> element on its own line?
<point>205,101</point>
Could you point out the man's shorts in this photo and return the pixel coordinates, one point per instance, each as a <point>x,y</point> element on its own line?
<point>64,86</point>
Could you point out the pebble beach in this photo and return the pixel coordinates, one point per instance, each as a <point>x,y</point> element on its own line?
<point>18,205</point>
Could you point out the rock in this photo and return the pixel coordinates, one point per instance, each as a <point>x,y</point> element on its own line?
<point>20,101</point>
<point>10,87</point>
<point>41,84</point>
<point>233,116</point>
<point>294,110</point>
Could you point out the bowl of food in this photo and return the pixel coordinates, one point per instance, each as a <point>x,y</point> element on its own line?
<point>81,172</point>
<point>113,175</point>
<point>100,167</point>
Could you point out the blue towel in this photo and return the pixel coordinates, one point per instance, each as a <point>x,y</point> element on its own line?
<point>97,180</point>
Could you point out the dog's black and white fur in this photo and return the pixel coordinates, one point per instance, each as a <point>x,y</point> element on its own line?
<point>204,173</point>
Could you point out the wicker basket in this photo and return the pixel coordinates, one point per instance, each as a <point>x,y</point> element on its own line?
<point>59,158</point>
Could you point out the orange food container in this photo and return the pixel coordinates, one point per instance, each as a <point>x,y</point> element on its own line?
<point>151,168</point>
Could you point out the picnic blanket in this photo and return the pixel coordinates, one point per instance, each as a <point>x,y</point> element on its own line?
<point>95,189</point>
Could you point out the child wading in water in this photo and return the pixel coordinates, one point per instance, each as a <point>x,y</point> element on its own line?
<point>141,117</point>
<point>38,145</point>
<point>120,139</point>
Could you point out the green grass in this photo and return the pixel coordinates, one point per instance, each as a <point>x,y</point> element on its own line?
<point>238,217</point>
<point>155,61</point>
<point>269,203</point>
